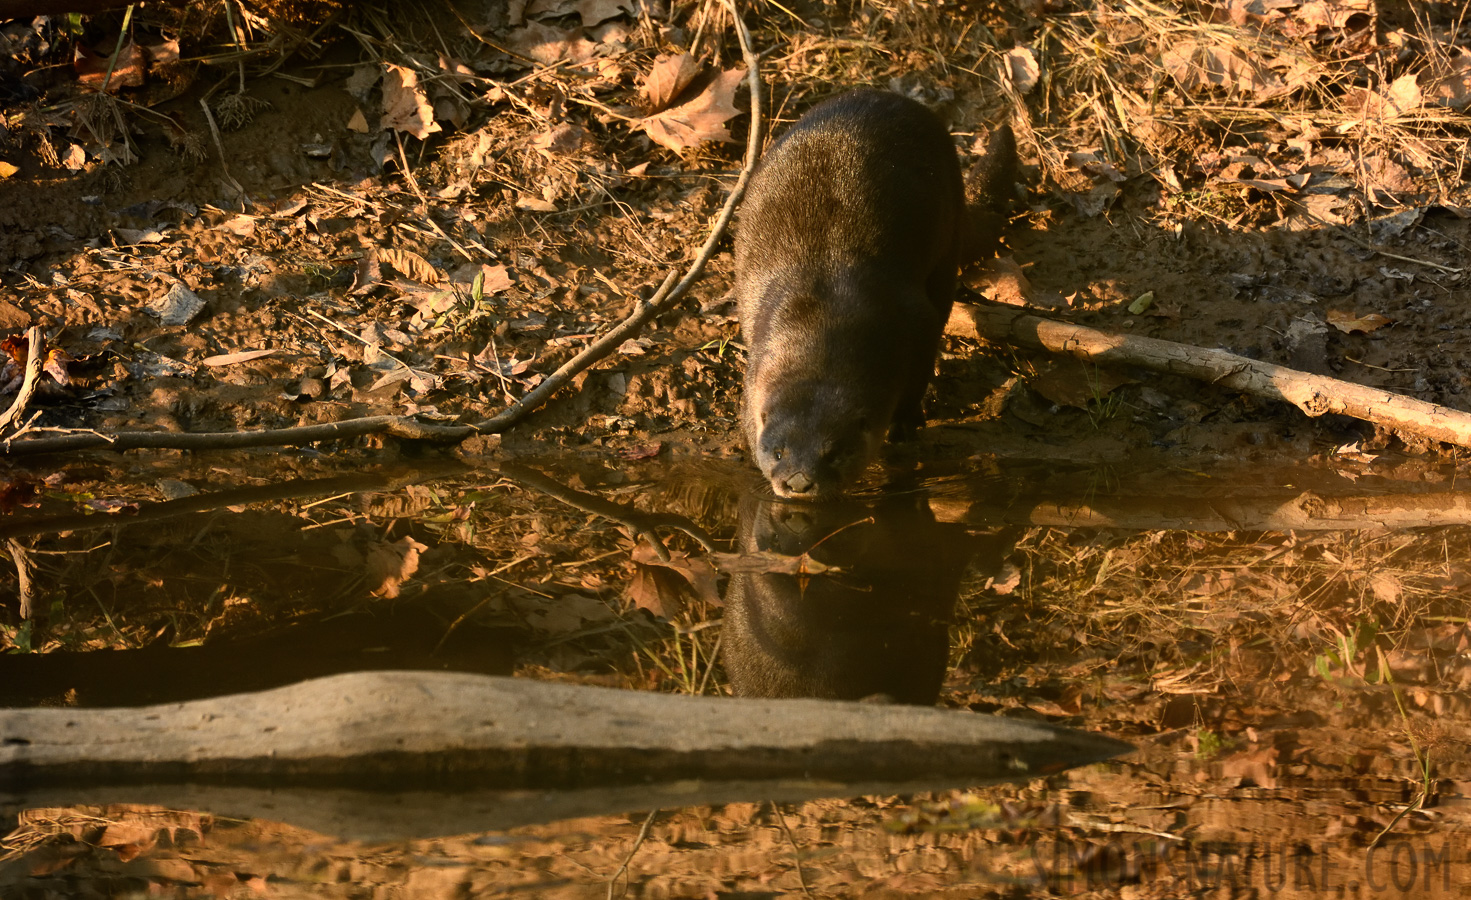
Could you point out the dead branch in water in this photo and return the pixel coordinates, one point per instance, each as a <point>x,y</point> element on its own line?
<point>1315,395</point>
<point>407,427</point>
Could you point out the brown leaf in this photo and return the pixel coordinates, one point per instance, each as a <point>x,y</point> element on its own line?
<point>1194,64</point>
<point>386,566</point>
<point>1003,281</point>
<point>698,572</point>
<point>91,67</point>
<point>1348,323</point>
<point>232,359</point>
<point>1451,89</point>
<point>560,140</point>
<point>405,106</point>
<point>669,76</point>
<point>548,45</point>
<point>595,11</point>
<point>410,265</point>
<point>1022,69</point>
<point>702,119</point>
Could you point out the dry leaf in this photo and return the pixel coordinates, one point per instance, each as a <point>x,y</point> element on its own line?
<point>1194,64</point>
<point>7,169</point>
<point>698,573</point>
<point>669,76</point>
<point>596,11</point>
<point>410,265</point>
<point>1348,323</point>
<point>548,45</point>
<point>231,359</point>
<point>1003,281</point>
<point>405,107</point>
<point>702,119</point>
<point>559,140</point>
<point>358,122</point>
<point>1451,89</point>
<point>1022,69</point>
<point>91,67</point>
<point>386,566</point>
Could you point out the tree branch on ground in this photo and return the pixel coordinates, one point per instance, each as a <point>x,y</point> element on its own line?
<point>1315,395</point>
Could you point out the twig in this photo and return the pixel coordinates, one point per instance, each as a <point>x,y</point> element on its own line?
<point>796,852</point>
<point>35,348</point>
<point>637,843</point>
<point>639,523</point>
<point>669,292</point>
<point>214,130</point>
<point>406,427</point>
<point>23,567</point>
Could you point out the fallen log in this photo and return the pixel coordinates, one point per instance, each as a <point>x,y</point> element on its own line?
<point>411,740</point>
<point>1315,395</point>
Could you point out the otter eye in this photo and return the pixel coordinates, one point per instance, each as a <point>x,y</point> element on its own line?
<point>778,454</point>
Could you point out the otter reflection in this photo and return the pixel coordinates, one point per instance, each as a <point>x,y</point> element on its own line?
<point>880,628</point>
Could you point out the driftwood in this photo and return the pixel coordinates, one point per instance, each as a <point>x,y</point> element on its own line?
<point>422,741</point>
<point>1315,395</point>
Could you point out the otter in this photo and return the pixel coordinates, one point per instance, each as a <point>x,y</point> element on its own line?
<point>847,254</point>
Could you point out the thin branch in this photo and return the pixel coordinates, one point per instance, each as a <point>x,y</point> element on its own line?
<point>35,354</point>
<point>638,842</point>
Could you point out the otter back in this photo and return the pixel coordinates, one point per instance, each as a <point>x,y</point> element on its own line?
<point>846,259</point>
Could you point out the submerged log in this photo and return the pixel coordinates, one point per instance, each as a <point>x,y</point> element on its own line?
<point>414,738</point>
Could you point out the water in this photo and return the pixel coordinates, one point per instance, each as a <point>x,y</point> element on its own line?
<point>1287,649</point>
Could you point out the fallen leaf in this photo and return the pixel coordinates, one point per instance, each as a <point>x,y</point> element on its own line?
<point>231,359</point>
<point>698,572</point>
<point>177,306</point>
<point>1194,64</point>
<point>1450,89</point>
<point>594,12</point>
<point>560,140</point>
<point>163,54</point>
<point>702,119</point>
<point>1002,280</point>
<point>386,566</point>
<point>548,45</point>
<point>410,265</point>
<point>91,68</point>
<point>7,169</point>
<point>669,76</point>
<point>75,158</point>
<point>1022,69</point>
<point>405,106</point>
<point>1348,323</point>
<point>358,122</point>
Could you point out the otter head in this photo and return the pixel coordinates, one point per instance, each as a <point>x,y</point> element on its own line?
<point>813,439</point>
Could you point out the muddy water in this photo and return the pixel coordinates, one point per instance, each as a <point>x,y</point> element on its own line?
<point>1288,650</point>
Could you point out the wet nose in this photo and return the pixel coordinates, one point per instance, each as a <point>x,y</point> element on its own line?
<point>797,484</point>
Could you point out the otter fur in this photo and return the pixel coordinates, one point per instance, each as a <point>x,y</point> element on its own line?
<point>846,259</point>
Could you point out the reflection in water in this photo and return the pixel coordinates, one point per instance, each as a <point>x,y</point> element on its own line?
<point>877,626</point>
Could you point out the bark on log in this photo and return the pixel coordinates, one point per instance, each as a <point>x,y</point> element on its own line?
<point>416,735</point>
<point>1315,395</point>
